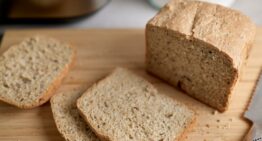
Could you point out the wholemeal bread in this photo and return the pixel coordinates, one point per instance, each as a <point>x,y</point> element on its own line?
<point>32,70</point>
<point>125,107</point>
<point>67,118</point>
<point>200,48</point>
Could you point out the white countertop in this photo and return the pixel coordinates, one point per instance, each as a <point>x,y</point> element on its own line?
<point>135,14</point>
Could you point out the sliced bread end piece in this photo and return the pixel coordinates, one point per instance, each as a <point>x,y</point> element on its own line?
<point>125,107</point>
<point>67,118</point>
<point>32,70</point>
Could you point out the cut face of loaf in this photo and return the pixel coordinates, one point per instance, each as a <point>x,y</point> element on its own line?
<point>125,107</point>
<point>200,48</point>
<point>67,118</point>
<point>32,70</point>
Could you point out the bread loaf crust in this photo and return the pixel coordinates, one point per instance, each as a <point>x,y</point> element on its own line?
<point>224,30</point>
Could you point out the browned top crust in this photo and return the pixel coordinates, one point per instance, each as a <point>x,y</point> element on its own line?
<point>226,29</point>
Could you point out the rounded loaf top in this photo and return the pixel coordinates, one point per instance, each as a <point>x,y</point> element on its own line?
<point>226,29</point>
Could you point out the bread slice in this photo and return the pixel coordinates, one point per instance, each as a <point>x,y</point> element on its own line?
<point>125,107</point>
<point>200,48</point>
<point>32,70</point>
<point>67,118</point>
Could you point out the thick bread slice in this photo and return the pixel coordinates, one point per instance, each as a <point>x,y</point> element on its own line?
<point>32,70</point>
<point>200,48</point>
<point>125,107</point>
<point>67,118</point>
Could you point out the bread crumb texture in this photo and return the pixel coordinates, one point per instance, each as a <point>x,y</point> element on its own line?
<point>67,118</point>
<point>29,69</point>
<point>125,107</point>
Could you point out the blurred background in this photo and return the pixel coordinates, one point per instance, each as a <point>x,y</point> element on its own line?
<point>96,13</point>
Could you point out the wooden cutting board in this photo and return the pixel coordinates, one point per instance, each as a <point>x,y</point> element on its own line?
<point>101,50</point>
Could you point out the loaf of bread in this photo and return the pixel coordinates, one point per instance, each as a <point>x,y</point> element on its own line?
<point>67,118</point>
<point>200,48</point>
<point>125,107</point>
<point>32,70</point>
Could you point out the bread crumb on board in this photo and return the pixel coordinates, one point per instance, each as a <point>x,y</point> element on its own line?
<point>215,112</point>
<point>225,126</point>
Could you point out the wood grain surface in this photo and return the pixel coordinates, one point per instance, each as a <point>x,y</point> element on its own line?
<point>99,51</point>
